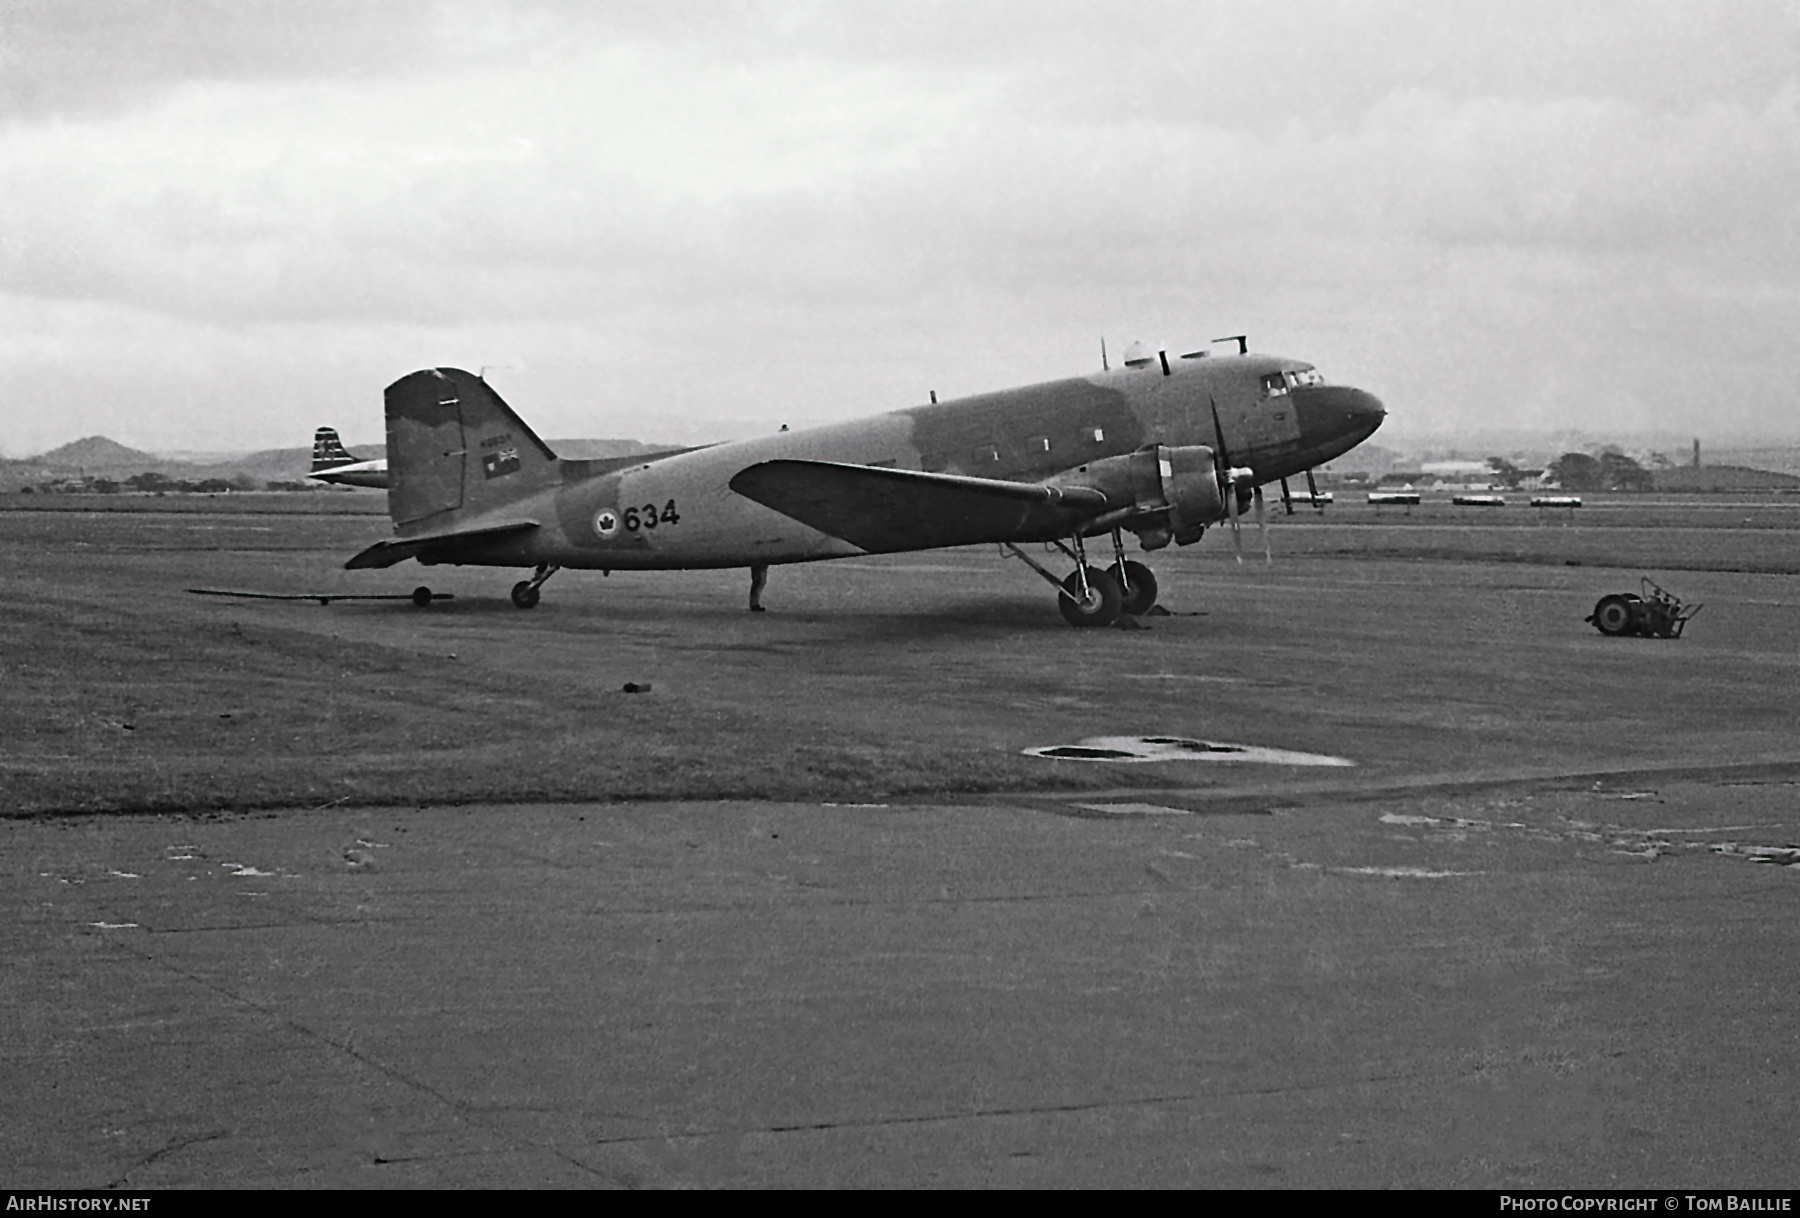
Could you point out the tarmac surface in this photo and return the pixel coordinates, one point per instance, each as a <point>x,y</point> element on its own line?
<point>1539,934</point>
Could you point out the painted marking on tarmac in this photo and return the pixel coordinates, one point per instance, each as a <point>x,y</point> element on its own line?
<point>1183,676</point>
<point>1133,749</point>
<point>1136,809</point>
<point>1404,873</point>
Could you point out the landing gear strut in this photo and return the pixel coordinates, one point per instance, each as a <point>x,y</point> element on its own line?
<point>1090,596</point>
<point>1137,584</point>
<point>525,592</point>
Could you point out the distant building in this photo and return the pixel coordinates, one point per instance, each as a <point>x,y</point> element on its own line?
<point>1457,471</point>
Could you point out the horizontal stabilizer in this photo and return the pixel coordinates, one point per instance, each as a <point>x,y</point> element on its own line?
<point>885,510</point>
<point>399,549</point>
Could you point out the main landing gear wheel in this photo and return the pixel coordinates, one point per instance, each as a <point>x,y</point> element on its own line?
<point>1137,587</point>
<point>1099,607</point>
<point>1616,614</point>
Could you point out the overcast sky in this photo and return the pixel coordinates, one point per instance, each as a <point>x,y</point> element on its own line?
<point>223,224</point>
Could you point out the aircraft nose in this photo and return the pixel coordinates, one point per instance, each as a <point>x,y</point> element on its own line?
<point>1334,415</point>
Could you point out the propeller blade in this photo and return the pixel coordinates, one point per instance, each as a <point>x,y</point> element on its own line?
<point>1231,510</point>
<point>1262,526</point>
<point>1228,479</point>
<point>1219,435</point>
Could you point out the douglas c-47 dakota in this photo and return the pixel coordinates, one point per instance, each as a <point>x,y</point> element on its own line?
<point>1162,447</point>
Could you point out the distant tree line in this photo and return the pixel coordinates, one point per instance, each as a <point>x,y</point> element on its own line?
<point>1507,475</point>
<point>205,486</point>
<point>160,484</point>
<point>1610,471</point>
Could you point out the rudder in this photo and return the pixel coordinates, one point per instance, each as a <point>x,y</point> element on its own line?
<point>329,451</point>
<point>455,447</point>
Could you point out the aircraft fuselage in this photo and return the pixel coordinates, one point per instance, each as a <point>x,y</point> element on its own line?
<point>1270,415</point>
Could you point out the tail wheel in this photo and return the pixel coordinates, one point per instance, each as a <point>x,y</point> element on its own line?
<point>1137,587</point>
<point>524,595</point>
<point>421,597</point>
<point>1616,614</point>
<point>1099,607</point>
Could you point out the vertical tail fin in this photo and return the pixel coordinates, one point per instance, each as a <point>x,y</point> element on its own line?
<point>329,451</point>
<point>455,447</point>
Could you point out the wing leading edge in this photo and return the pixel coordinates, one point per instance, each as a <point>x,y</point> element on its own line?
<point>887,510</point>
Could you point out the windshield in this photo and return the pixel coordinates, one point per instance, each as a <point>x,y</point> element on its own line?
<point>1275,384</point>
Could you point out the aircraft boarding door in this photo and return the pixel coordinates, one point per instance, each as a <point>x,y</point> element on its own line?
<point>425,447</point>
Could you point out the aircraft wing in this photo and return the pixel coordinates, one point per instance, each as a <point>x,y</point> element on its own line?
<point>399,549</point>
<point>886,510</point>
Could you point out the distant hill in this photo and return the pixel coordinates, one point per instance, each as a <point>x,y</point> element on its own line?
<point>95,452</point>
<point>1778,458</point>
<point>99,457</point>
<point>1722,478</point>
<point>592,450</point>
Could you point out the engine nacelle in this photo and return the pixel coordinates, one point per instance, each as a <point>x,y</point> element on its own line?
<point>1191,485</point>
<point>1173,493</point>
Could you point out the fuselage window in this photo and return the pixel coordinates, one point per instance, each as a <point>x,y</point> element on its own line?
<point>1038,444</point>
<point>1099,434</point>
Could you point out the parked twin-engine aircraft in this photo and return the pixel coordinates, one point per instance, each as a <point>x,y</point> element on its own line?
<point>332,462</point>
<point>1162,447</point>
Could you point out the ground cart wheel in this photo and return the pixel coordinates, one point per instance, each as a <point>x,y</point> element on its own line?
<point>1616,614</point>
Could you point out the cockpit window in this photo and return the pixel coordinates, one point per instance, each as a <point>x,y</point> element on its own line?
<point>1273,385</point>
<point>1303,378</point>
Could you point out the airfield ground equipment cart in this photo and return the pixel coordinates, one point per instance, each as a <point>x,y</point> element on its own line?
<point>1653,613</point>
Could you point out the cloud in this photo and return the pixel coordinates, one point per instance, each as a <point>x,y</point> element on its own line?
<point>787,210</point>
<point>101,57</point>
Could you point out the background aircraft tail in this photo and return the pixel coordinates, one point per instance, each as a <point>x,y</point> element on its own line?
<point>329,451</point>
<point>455,451</point>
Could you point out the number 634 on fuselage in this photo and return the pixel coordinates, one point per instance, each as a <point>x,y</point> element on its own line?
<point>1162,448</point>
